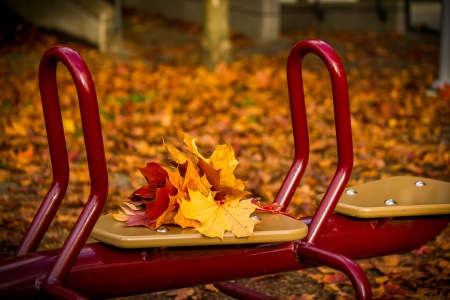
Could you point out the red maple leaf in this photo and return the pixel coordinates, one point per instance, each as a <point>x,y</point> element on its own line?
<point>156,177</point>
<point>154,173</point>
<point>155,208</point>
<point>147,192</point>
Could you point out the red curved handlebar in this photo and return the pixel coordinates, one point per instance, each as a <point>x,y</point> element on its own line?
<point>60,165</point>
<point>301,137</point>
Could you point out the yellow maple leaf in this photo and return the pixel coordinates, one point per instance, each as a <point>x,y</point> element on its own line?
<point>240,184</point>
<point>181,220</point>
<point>216,218</point>
<point>223,159</point>
<point>191,146</point>
<point>218,171</point>
<point>178,156</point>
<point>235,193</point>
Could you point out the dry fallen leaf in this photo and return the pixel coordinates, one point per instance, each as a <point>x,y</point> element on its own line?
<point>155,175</point>
<point>223,159</point>
<point>167,197</point>
<point>156,207</point>
<point>182,294</point>
<point>216,218</point>
<point>193,181</point>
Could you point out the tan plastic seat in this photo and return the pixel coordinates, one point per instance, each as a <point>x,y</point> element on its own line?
<point>400,196</point>
<point>272,228</point>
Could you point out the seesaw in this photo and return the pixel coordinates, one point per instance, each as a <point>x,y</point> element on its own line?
<point>384,217</point>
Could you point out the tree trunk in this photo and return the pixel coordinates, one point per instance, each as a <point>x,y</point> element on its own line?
<point>216,43</point>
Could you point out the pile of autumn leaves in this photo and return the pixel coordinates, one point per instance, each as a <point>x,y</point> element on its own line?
<point>198,192</point>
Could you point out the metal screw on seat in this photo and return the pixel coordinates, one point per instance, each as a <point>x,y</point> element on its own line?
<point>256,218</point>
<point>420,183</point>
<point>351,192</point>
<point>390,202</point>
<point>162,229</point>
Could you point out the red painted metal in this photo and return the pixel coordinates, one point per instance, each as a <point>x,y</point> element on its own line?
<point>308,249</point>
<point>105,272</point>
<point>240,292</point>
<point>300,130</point>
<point>52,280</point>
<point>301,143</point>
<point>339,262</point>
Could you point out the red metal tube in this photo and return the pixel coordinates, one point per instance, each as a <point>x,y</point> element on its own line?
<point>299,127</point>
<point>96,162</point>
<point>300,130</point>
<point>301,143</point>
<point>339,262</point>
<point>105,272</point>
<point>59,160</point>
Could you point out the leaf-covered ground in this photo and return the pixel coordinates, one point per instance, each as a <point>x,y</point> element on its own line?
<point>155,89</point>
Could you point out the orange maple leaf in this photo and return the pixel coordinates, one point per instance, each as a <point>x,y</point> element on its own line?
<point>175,178</point>
<point>193,181</point>
<point>179,158</point>
<point>191,146</point>
<point>223,159</point>
<point>211,174</point>
<point>167,217</point>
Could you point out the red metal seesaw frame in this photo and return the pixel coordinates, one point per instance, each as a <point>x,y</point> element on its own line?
<point>100,271</point>
<point>51,280</point>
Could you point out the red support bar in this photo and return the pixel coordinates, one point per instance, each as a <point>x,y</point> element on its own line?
<point>51,282</point>
<point>59,160</point>
<point>308,249</point>
<point>339,262</point>
<point>301,137</point>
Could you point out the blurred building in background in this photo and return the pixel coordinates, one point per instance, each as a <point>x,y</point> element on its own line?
<point>95,21</point>
<point>99,21</point>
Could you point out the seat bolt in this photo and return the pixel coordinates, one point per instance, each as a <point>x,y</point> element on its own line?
<point>420,183</point>
<point>256,218</point>
<point>390,202</point>
<point>351,192</point>
<point>162,229</point>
